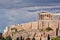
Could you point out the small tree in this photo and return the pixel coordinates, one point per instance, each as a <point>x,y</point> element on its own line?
<point>21,38</point>
<point>56,31</point>
<point>48,38</point>
<point>33,38</point>
<point>3,38</point>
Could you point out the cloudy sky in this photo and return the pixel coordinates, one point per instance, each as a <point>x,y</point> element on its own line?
<point>22,11</point>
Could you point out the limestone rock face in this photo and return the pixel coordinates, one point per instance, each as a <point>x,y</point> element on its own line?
<point>36,29</point>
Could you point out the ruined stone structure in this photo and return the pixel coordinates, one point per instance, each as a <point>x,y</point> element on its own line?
<point>47,26</point>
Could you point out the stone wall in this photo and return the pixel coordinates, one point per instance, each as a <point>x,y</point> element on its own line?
<point>40,24</point>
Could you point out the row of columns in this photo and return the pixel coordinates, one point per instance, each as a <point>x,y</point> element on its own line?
<point>46,15</point>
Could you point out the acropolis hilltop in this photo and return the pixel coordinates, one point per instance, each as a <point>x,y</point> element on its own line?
<point>47,25</point>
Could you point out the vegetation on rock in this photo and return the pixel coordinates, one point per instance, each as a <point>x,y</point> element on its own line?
<point>57,38</point>
<point>49,29</point>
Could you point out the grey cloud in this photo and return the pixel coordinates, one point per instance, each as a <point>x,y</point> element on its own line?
<point>16,4</point>
<point>21,11</point>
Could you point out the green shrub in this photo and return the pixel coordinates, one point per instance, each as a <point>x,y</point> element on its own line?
<point>2,39</point>
<point>57,38</point>
<point>49,29</point>
<point>8,38</point>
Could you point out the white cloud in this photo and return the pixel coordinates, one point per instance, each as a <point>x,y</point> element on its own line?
<point>18,15</point>
<point>23,15</point>
<point>57,14</point>
<point>16,11</point>
<point>40,7</point>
